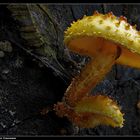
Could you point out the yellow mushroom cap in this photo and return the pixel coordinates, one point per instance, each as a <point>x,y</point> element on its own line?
<point>86,35</point>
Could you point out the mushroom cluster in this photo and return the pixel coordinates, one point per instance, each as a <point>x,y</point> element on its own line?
<point>107,40</point>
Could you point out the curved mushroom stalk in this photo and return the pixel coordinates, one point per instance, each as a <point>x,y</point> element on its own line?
<point>91,112</point>
<point>93,72</point>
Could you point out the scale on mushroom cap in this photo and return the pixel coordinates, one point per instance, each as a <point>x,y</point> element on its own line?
<point>107,40</point>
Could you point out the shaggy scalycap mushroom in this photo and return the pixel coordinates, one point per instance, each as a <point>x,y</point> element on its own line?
<point>107,40</point>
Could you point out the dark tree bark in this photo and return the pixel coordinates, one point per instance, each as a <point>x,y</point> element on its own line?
<point>34,78</point>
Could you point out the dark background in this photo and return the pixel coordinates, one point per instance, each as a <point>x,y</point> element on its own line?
<point>31,80</point>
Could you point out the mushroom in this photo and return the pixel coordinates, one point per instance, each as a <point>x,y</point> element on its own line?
<point>107,40</point>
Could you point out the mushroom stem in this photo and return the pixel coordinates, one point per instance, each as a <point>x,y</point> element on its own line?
<point>92,73</point>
